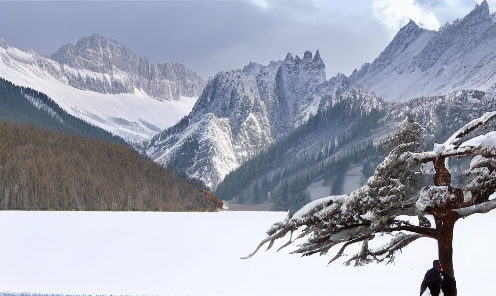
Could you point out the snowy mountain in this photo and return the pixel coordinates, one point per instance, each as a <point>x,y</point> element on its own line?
<point>239,114</point>
<point>418,62</point>
<point>338,149</point>
<point>113,95</point>
<point>103,65</point>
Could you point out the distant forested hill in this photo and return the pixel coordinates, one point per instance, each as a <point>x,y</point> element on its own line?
<point>29,107</point>
<point>42,170</point>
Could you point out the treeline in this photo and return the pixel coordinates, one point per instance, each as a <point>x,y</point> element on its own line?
<point>41,170</point>
<point>26,106</point>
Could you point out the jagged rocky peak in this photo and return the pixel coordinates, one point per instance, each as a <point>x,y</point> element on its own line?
<point>480,10</point>
<point>317,57</point>
<point>478,15</point>
<point>318,60</point>
<point>97,53</point>
<point>406,36</point>
<point>309,61</point>
<point>412,25</point>
<point>307,55</point>
<point>252,68</point>
<point>248,109</point>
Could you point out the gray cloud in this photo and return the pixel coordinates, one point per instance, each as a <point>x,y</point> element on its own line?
<point>205,36</point>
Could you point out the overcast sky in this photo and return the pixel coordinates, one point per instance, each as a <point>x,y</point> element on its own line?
<point>212,36</point>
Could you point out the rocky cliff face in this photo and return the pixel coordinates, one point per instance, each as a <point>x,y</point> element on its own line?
<point>241,113</point>
<point>104,65</point>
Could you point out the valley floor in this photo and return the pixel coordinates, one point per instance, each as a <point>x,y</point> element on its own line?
<point>254,207</point>
<point>136,253</point>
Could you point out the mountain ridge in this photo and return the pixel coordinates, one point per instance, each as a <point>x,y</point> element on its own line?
<point>124,70</point>
<point>257,106</point>
<point>240,113</point>
<point>458,56</point>
<point>134,116</point>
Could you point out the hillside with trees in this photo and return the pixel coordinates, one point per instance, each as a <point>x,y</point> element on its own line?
<point>350,133</point>
<point>42,170</point>
<point>26,106</point>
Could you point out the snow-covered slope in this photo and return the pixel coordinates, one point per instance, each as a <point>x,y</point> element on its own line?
<point>197,254</point>
<point>418,62</point>
<point>241,113</point>
<point>134,116</point>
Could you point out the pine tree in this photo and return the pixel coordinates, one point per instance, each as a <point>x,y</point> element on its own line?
<point>396,190</point>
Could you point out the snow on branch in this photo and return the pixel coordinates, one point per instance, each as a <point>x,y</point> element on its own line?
<point>477,208</point>
<point>464,143</point>
<point>357,217</point>
<point>386,251</point>
<point>395,191</point>
<point>456,139</point>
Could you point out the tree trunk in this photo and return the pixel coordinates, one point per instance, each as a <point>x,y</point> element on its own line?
<point>445,225</point>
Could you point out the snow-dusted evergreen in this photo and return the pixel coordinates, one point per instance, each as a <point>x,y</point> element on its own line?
<point>393,204</point>
<point>103,83</point>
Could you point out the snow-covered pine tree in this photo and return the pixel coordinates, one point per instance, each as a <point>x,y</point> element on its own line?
<point>394,203</point>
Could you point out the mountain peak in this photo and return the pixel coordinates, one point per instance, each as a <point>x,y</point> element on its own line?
<point>3,43</point>
<point>411,24</point>
<point>252,68</point>
<point>96,40</point>
<point>483,6</point>
<point>307,55</point>
<point>317,57</point>
<point>480,11</point>
<point>97,36</point>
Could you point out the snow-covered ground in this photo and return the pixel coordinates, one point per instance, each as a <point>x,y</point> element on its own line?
<point>198,254</point>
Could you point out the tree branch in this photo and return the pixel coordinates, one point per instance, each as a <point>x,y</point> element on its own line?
<point>279,234</point>
<point>387,251</point>
<point>429,232</point>
<point>478,208</point>
<point>356,240</point>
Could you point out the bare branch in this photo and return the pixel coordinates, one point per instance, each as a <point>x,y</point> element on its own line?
<point>350,242</point>
<point>286,244</point>
<point>397,243</point>
<point>271,238</point>
<point>424,231</point>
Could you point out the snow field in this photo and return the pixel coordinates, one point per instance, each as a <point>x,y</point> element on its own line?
<point>129,253</point>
